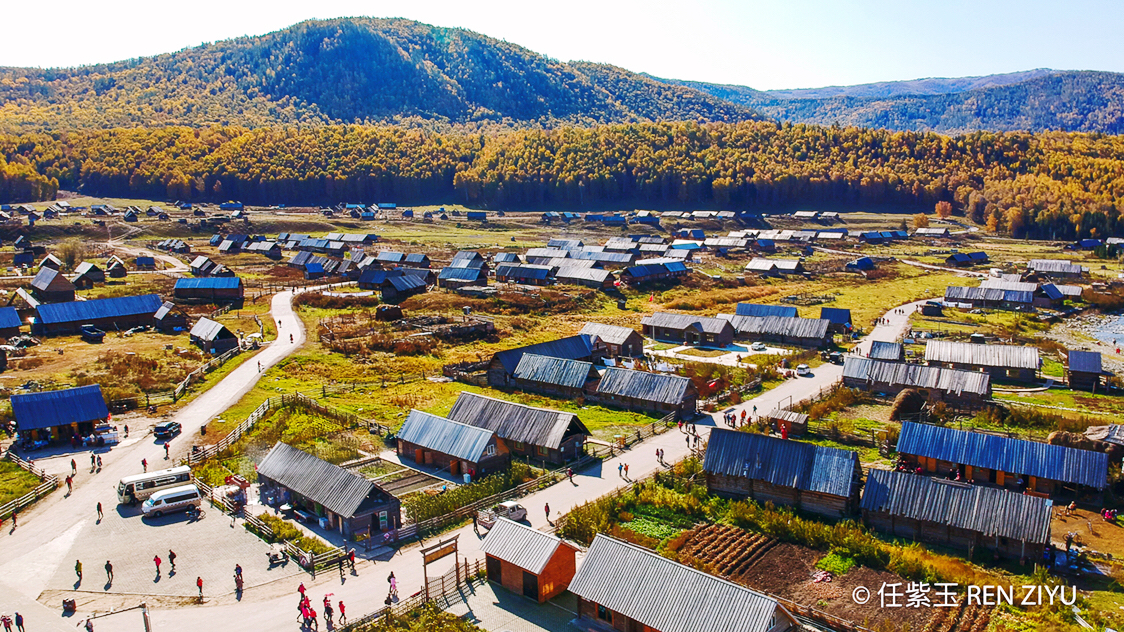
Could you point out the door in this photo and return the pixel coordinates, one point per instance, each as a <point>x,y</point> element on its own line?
<point>492,566</point>
<point>530,586</point>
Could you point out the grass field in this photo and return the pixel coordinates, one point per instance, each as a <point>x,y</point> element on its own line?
<point>15,482</point>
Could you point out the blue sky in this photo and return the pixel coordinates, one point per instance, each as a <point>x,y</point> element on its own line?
<point>761,44</point>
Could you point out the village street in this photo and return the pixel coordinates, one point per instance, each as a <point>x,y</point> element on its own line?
<point>39,555</point>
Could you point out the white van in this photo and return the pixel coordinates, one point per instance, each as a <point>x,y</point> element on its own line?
<point>175,499</point>
<point>133,489</point>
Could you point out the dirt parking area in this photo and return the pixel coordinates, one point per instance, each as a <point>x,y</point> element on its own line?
<point>1092,530</point>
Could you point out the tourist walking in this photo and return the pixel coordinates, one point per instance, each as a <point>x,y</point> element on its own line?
<point>199,583</point>
<point>100,514</point>
<point>19,622</point>
<point>109,571</point>
<point>73,467</point>
<point>547,512</point>
<point>343,614</point>
<point>156,560</point>
<point>78,569</point>
<point>99,462</point>
<point>166,444</point>
<point>144,464</point>
<point>626,471</point>
<point>172,560</point>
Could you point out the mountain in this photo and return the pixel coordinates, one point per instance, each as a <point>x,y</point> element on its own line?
<point>1036,100</point>
<point>350,70</point>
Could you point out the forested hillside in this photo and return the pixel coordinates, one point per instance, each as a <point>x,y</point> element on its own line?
<point>1035,101</point>
<point>351,70</point>
<point>1048,185</point>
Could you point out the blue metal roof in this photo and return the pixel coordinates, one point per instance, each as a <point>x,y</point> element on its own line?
<point>58,408</point>
<point>1079,361</point>
<point>9,318</point>
<point>522,271</point>
<point>781,462</point>
<point>211,283</point>
<point>753,309</point>
<point>405,282</point>
<point>82,311</point>
<point>571,348</point>
<point>445,436</point>
<point>460,274</point>
<point>836,315</point>
<point>1015,456</point>
<point>548,370</point>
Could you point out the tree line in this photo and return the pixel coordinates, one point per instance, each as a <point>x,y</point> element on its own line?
<point>1052,185</point>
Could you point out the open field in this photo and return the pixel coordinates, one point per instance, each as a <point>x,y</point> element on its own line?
<point>15,482</point>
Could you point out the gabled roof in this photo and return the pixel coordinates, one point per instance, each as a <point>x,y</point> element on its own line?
<point>752,309</point>
<point>209,330</point>
<point>522,271</point>
<point>213,283</point>
<point>9,318</point>
<point>84,268</point>
<point>80,311</point>
<point>1000,356</point>
<point>952,381</point>
<point>520,545</point>
<point>668,320</point>
<point>571,347</point>
<point>505,257</point>
<point>782,462</point>
<point>880,350</point>
<point>986,510</point>
<point>792,327</point>
<point>51,280</point>
<point>610,334</point>
<point>516,422</point>
<point>405,282</point>
<point>836,315</point>
<point>341,491</point>
<point>446,436</point>
<point>651,387</point>
<point>557,371</point>
<point>636,582</point>
<point>570,273</point>
<point>57,408</point>
<point>1052,462</point>
<point>451,273</point>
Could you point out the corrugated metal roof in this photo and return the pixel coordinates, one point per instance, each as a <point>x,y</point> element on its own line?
<point>564,244</point>
<point>523,546</point>
<point>1002,356</point>
<point>341,491</point>
<point>986,510</point>
<point>880,350</point>
<point>1000,284</point>
<point>1052,462</point>
<point>758,264</point>
<point>522,271</point>
<point>505,257</point>
<point>210,283</point>
<point>666,595</point>
<point>390,256</point>
<point>956,294</point>
<point>1054,266</point>
<point>548,370</point>
<point>79,311</point>
<point>914,375</point>
<point>52,280</point>
<point>1084,361</point>
<point>405,282</point>
<point>606,257</point>
<point>565,273</point>
<point>668,320</point>
<point>781,462</point>
<point>572,347</point>
<point>9,318</point>
<point>546,253</point>
<point>516,422</point>
<point>836,315</point>
<point>457,439</point>
<point>207,329</point>
<point>760,311</point>
<point>610,334</point>
<point>811,328</point>
<point>58,408</point>
<point>652,387</point>
<point>460,274</point>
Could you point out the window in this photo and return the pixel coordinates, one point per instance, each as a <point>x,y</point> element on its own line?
<point>519,445</point>
<point>604,613</point>
<point>541,451</point>
<point>490,450</point>
<point>382,521</point>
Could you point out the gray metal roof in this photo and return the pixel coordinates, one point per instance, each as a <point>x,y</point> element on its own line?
<point>1055,266</point>
<point>546,253</point>
<point>207,329</point>
<point>1052,462</point>
<point>572,347</point>
<point>611,334</point>
<point>1084,361</point>
<point>446,436</point>
<point>958,294</point>
<point>522,271</point>
<point>557,371</point>
<point>1002,356</point>
<point>794,327</point>
<point>523,546</point>
<point>666,595</point>
<point>880,350</point>
<point>596,275</point>
<point>668,320</point>
<point>516,422</point>
<point>340,490</point>
<point>914,375</point>
<point>1001,284</point>
<point>652,387</point>
<point>986,510</point>
<point>461,274</point>
<point>782,462</point>
<point>50,279</point>
<point>606,257</point>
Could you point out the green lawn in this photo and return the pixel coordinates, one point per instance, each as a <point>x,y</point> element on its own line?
<point>15,482</point>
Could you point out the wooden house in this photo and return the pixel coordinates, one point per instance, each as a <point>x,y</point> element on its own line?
<point>209,290</point>
<point>557,377</point>
<point>936,383</point>
<point>1019,363</point>
<point>538,433</point>
<point>687,329</point>
<point>788,423</point>
<point>86,275</point>
<point>59,415</point>
<point>804,332</point>
<point>1084,370</point>
<point>350,504</point>
<point>612,341</point>
<point>501,369</point>
<point>812,478</point>
<point>1000,461</point>
<point>527,561</point>
<point>213,337</point>
<point>50,286</point>
<point>169,318</point>
<point>653,392</point>
<point>958,515</point>
<point>458,448</point>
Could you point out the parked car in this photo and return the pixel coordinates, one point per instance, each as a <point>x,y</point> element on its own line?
<point>508,509</point>
<point>167,429</point>
<point>803,369</point>
<point>758,346</point>
<point>92,334</point>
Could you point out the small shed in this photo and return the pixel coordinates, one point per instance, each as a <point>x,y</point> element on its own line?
<point>145,263</point>
<point>812,478</point>
<point>1084,370</point>
<point>527,561</point>
<point>86,275</point>
<point>50,261</point>
<point>839,318</point>
<point>213,337</point>
<point>789,423</point>
<point>395,289</point>
<point>116,269</point>
<point>9,322</point>
<point>169,318</point>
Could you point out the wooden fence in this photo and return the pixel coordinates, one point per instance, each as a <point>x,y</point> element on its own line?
<point>49,484</point>
<point>436,590</point>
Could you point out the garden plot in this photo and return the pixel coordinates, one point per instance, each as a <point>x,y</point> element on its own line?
<point>397,480</point>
